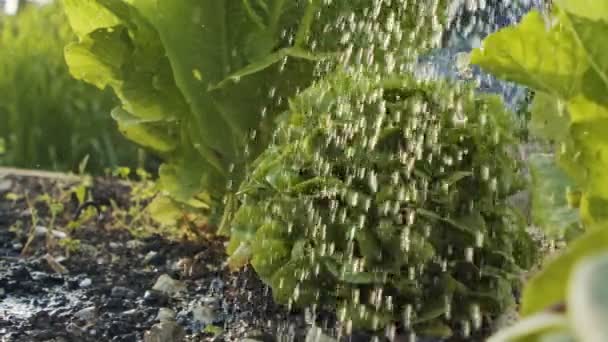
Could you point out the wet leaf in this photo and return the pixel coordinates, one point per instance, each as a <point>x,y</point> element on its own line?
<point>520,54</point>
<point>164,211</point>
<point>535,327</point>
<point>588,299</point>
<point>550,208</point>
<point>549,286</point>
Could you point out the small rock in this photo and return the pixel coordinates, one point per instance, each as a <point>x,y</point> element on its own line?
<point>134,244</point>
<point>40,231</point>
<point>115,303</point>
<point>177,266</point>
<point>40,320</point>
<point>55,264</point>
<point>114,245</point>
<point>59,235</point>
<point>153,297</point>
<point>153,258</point>
<point>217,286</point>
<point>119,327</point>
<point>57,313</point>
<point>315,334</point>
<point>17,246</point>
<point>168,285</point>
<point>20,273</point>
<point>87,314</point>
<point>132,337</point>
<point>167,331</point>
<point>130,313</point>
<point>26,213</point>
<point>39,276</point>
<point>123,292</point>
<point>85,283</point>
<point>74,329</point>
<point>204,314</point>
<point>5,185</point>
<point>165,314</point>
<point>258,336</point>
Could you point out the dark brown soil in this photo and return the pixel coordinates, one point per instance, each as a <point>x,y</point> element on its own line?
<point>112,273</point>
<point>105,291</point>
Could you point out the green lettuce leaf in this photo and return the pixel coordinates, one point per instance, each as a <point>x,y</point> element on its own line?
<point>549,286</point>
<point>193,76</point>
<point>588,299</point>
<point>567,62</point>
<point>550,208</point>
<point>546,59</point>
<point>591,9</point>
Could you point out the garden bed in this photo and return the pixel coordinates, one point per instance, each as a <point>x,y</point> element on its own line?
<point>103,291</point>
<point>100,284</point>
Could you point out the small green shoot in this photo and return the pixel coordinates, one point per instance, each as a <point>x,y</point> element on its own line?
<point>213,330</point>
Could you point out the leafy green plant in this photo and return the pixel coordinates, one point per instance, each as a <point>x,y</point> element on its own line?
<point>48,119</point>
<point>201,83</point>
<point>577,279</point>
<point>562,57</point>
<point>385,198</point>
<point>551,210</point>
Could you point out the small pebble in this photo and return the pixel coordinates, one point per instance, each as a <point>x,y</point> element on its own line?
<point>39,276</point>
<point>130,313</point>
<point>114,245</point>
<point>153,258</point>
<point>87,314</point>
<point>123,292</point>
<point>5,185</point>
<point>167,331</point>
<point>165,314</point>
<point>85,283</point>
<point>134,244</point>
<point>40,231</point>
<point>153,297</point>
<point>204,314</point>
<point>168,285</point>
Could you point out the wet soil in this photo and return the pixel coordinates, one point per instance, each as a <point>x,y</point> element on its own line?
<point>114,286</point>
<point>103,290</point>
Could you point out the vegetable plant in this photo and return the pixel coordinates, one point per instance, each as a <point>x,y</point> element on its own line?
<point>201,83</point>
<point>386,199</point>
<point>561,57</point>
<point>575,283</point>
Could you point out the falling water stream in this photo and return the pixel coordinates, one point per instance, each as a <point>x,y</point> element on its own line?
<point>467,23</point>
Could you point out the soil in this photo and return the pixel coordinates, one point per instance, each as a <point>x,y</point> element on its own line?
<point>107,288</point>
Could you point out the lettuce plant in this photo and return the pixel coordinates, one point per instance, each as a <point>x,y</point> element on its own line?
<point>561,56</point>
<point>578,276</point>
<point>386,199</point>
<point>201,82</point>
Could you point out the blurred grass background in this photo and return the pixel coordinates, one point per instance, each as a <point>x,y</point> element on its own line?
<point>48,120</point>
